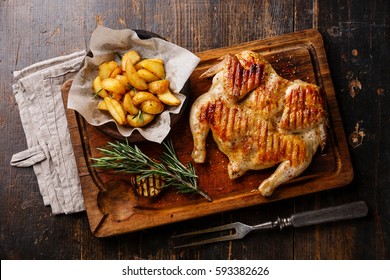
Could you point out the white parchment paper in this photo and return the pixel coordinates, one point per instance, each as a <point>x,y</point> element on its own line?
<point>179,64</point>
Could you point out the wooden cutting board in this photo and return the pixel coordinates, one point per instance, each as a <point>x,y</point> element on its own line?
<point>113,207</point>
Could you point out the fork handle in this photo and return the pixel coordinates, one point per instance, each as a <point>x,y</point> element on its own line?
<point>331,214</point>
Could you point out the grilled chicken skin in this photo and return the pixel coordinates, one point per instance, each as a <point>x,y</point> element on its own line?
<point>259,119</point>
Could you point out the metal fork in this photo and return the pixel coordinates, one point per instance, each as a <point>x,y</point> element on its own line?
<point>239,230</point>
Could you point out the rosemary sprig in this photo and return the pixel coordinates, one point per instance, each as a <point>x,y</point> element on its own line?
<point>118,55</point>
<point>96,94</point>
<point>122,157</point>
<point>140,117</point>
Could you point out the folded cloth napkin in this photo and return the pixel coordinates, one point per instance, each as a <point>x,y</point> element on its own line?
<point>37,90</point>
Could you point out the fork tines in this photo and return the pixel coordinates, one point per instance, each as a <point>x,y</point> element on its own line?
<point>229,233</point>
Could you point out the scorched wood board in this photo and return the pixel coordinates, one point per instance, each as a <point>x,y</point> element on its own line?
<point>113,207</point>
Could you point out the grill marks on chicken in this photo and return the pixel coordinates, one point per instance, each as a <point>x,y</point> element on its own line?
<point>303,108</point>
<point>241,79</point>
<point>258,119</point>
<point>251,134</point>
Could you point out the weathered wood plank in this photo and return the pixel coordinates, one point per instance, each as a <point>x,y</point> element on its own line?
<point>356,35</point>
<point>349,33</point>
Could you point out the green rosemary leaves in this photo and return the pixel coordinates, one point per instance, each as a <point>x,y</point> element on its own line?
<point>125,158</point>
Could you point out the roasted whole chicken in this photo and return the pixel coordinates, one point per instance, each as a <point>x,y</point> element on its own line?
<point>259,119</point>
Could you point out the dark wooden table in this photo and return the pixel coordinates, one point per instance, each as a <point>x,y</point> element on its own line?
<point>356,37</point>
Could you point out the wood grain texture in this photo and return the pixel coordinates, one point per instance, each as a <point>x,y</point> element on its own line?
<point>356,37</point>
<point>112,206</point>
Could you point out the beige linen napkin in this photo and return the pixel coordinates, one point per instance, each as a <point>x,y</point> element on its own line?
<point>37,90</point>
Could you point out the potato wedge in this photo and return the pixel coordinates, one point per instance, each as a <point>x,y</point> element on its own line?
<point>124,81</point>
<point>134,80</point>
<point>147,75</point>
<point>128,104</point>
<point>156,59</point>
<point>97,87</point>
<point>133,56</point>
<point>138,67</point>
<point>142,96</point>
<point>169,98</point>
<point>155,67</point>
<point>106,68</point>
<point>117,71</point>
<point>132,92</point>
<point>113,85</point>
<point>102,106</point>
<point>152,107</point>
<point>159,86</point>
<point>116,110</point>
<point>139,120</point>
<point>117,96</point>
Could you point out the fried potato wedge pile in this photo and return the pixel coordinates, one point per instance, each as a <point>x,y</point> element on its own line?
<point>134,90</point>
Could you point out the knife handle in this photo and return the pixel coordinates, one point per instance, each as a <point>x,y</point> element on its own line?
<point>331,214</point>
